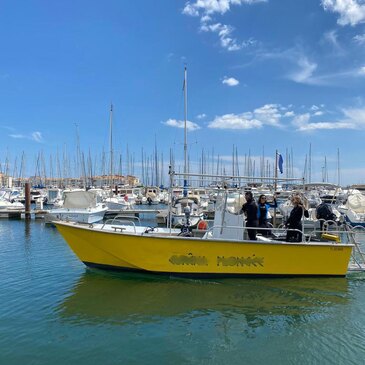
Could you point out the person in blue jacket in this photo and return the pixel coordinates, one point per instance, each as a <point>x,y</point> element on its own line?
<point>262,212</point>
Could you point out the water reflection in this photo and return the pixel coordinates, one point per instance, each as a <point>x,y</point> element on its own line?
<point>118,299</point>
<point>27,230</point>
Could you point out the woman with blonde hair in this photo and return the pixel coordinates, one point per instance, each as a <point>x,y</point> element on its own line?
<point>295,220</point>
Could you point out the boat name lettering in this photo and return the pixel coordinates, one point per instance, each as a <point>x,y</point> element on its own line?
<point>336,248</point>
<point>188,259</point>
<point>240,261</point>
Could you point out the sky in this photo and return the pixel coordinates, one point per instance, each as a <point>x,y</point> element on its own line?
<point>262,76</point>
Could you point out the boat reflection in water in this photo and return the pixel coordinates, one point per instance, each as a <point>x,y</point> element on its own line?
<point>137,298</point>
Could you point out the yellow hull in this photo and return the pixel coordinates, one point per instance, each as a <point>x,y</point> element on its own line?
<point>196,256</point>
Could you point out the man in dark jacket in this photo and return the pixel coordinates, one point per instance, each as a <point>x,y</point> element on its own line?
<point>324,213</point>
<point>250,210</point>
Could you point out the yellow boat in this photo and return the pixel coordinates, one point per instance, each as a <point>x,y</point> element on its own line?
<point>221,251</point>
<point>162,251</point>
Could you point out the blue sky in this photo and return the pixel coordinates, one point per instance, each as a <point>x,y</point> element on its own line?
<point>273,75</point>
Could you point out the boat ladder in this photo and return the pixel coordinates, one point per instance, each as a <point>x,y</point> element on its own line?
<point>357,262</point>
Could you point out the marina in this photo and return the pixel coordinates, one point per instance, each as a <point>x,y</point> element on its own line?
<point>182,182</point>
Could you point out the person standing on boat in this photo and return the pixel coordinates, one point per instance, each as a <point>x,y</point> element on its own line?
<point>262,213</point>
<point>250,210</point>
<point>295,220</point>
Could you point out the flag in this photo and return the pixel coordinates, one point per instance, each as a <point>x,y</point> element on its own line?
<point>280,163</point>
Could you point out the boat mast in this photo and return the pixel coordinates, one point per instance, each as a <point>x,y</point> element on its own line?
<point>310,163</point>
<point>338,167</point>
<point>111,144</point>
<point>185,133</point>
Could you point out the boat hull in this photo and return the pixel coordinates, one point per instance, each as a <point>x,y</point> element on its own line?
<point>203,257</point>
<point>82,216</point>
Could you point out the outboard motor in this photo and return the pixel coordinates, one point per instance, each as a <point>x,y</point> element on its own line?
<point>185,229</point>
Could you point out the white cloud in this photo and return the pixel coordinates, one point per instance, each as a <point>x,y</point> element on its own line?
<point>224,33</point>
<point>354,118</point>
<point>351,12</point>
<point>170,57</point>
<point>205,19</point>
<point>316,110</point>
<point>305,72</point>
<point>336,78</point>
<point>34,136</point>
<point>268,114</point>
<point>325,125</point>
<point>210,7</point>
<point>273,114</point>
<point>361,71</point>
<point>234,121</point>
<point>359,38</point>
<point>190,126</point>
<point>331,38</point>
<point>230,81</point>
<point>190,9</point>
<point>201,116</point>
<point>10,129</point>
<point>206,8</point>
<point>300,120</point>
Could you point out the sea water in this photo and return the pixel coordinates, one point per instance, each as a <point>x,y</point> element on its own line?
<point>53,310</point>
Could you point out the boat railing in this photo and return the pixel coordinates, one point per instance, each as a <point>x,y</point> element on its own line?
<point>275,234</point>
<point>120,220</point>
<point>327,226</point>
<point>358,255</point>
<point>347,234</point>
<point>344,234</point>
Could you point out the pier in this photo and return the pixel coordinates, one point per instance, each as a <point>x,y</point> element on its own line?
<point>22,214</point>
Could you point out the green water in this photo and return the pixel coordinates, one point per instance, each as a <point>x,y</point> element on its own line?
<point>55,311</point>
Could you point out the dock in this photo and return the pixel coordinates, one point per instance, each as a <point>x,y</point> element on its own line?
<point>19,214</point>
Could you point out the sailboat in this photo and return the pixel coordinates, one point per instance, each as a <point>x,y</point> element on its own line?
<point>185,211</point>
<point>113,201</point>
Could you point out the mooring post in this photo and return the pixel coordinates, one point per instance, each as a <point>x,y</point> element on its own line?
<point>27,200</point>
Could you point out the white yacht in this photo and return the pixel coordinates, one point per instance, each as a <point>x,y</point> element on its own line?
<point>8,200</point>
<point>80,206</point>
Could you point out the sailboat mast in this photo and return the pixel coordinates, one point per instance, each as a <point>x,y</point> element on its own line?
<point>111,143</point>
<point>185,131</point>
<point>338,167</point>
